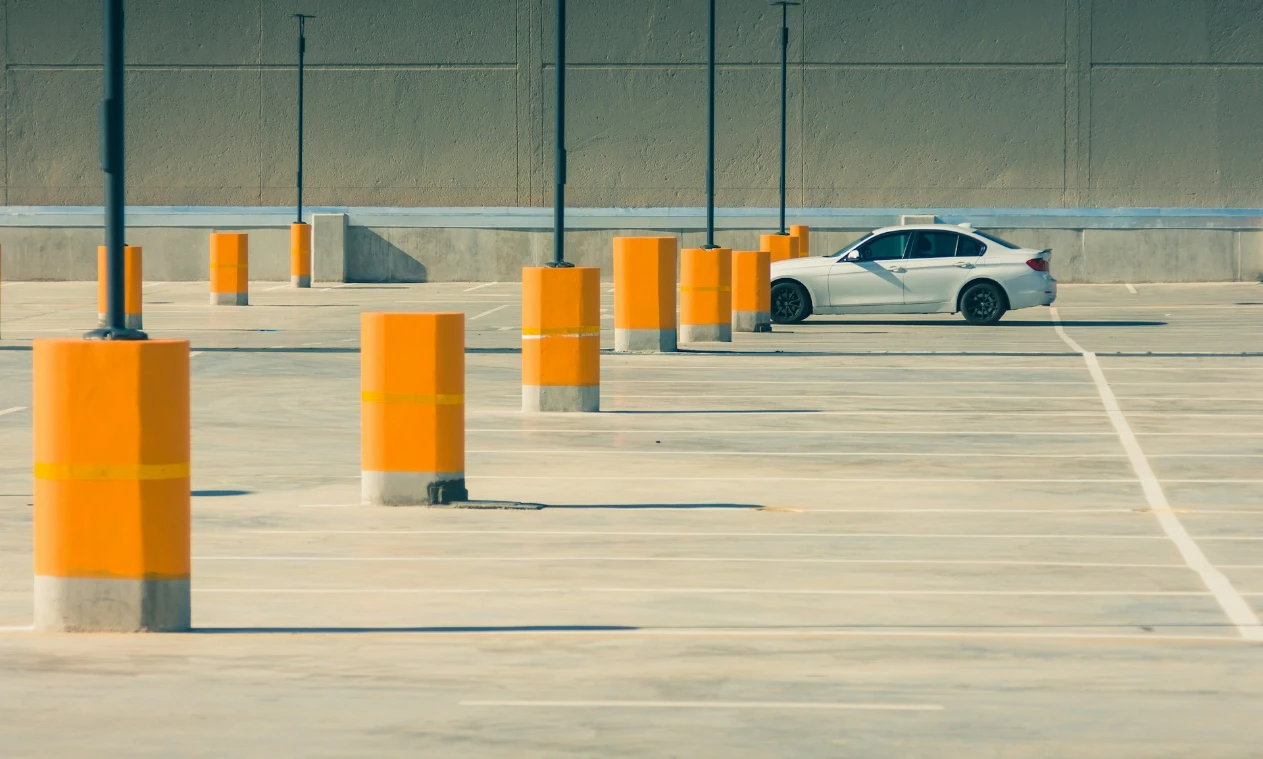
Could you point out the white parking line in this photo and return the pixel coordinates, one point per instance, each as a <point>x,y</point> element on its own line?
<point>488,313</point>
<point>685,560</point>
<point>821,454</point>
<point>278,287</point>
<point>1238,611</point>
<point>152,284</point>
<point>195,353</point>
<point>772,705</point>
<point>714,591</point>
<point>1130,289</point>
<point>707,534</point>
<point>12,410</point>
<point>479,287</point>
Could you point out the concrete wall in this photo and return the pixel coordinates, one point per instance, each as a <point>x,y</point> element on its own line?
<point>961,103</point>
<point>369,246</point>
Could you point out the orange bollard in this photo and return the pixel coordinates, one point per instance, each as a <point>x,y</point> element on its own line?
<point>802,233</point>
<point>561,339</point>
<point>132,292</point>
<point>782,247</point>
<point>751,291</point>
<point>229,269</point>
<point>412,410</point>
<point>706,295</point>
<point>111,485</point>
<point>644,294</point>
<point>300,255</point>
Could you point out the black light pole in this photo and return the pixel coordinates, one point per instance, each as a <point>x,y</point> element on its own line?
<point>302,50</point>
<point>559,159</point>
<point>784,93</point>
<point>710,134</point>
<point>112,164</point>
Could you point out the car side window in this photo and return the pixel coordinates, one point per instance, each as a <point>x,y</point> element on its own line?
<point>970,247</point>
<point>885,248</point>
<point>934,245</point>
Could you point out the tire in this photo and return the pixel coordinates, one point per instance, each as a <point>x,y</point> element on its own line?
<point>983,303</point>
<point>790,302</point>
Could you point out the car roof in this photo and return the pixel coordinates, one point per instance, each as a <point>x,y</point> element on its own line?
<point>938,227</point>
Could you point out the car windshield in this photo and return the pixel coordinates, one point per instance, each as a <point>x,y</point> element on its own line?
<point>997,240</point>
<point>853,245</point>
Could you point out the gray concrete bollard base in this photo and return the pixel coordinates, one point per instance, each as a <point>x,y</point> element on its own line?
<point>561,398</point>
<point>76,604</point>
<point>644,341</point>
<point>300,281</point>
<point>411,488</point>
<point>705,333</point>
<point>230,299</point>
<point>751,321</point>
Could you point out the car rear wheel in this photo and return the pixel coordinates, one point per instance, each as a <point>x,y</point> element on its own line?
<point>790,302</point>
<point>983,304</point>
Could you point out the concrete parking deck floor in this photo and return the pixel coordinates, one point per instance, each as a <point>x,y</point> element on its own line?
<point>885,536</point>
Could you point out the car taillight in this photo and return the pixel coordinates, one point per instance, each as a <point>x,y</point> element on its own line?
<point>1038,264</point>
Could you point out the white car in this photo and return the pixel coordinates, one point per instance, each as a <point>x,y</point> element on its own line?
<point>915,269</point>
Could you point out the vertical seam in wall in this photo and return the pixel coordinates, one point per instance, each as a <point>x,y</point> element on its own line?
<point>517,104</point>
<point>802,107</point>
<point>259,134</point>
<point>1085,99</point>
<point>8,90</point>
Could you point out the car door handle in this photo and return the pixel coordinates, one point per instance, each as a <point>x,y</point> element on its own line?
<point>899,270</point>
<point>964,265</point>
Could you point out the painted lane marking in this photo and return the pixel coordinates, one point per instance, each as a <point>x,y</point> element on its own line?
<point>696,534</point>
<point>195,353</point>
<point>773,705</point>
<point>490,312</point>
<point>921,480</point>
<point>151,284</point>
<point>716,591</point>
<point>688,559</point>
<point>12,410</point>
<point>1130,288</point>
<point>479,287</point>
<point>1234,606</point>
<point>808,454</point>
<point>834,432</point>
<point>270,289</point>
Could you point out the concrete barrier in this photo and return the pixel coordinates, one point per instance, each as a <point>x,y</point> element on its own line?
<point>751,291</point>
<point>644,294</point>
<point>412,408</point>
<point>133,293</point>
<point>300,255</point>
<point>802,233</point>
<point>561,339</point>
<point>111,485</point>
<point>706,295</point>
<point>1090,245</point>
<point>229,269</point>
<point>781,247</point>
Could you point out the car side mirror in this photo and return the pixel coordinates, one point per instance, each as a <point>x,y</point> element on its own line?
<point>860,254</point>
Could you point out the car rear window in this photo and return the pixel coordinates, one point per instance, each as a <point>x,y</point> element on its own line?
<point>997,240</point>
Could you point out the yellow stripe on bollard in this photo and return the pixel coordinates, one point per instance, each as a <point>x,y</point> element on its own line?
<point>413,399</point>
<point>47,471</point>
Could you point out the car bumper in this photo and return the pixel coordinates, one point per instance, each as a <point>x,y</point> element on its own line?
<point>1034,289</point>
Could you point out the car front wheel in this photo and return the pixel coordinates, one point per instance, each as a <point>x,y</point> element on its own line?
<point>790,302</point>
<point>983,304</point>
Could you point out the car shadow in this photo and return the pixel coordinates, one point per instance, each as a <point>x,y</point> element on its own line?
<point>961,323</point>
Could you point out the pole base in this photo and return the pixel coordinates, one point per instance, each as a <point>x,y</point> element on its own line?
<point>559,265</point>
<point>115,333</point>
<point>73,604</point>
<point>411,488</point>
